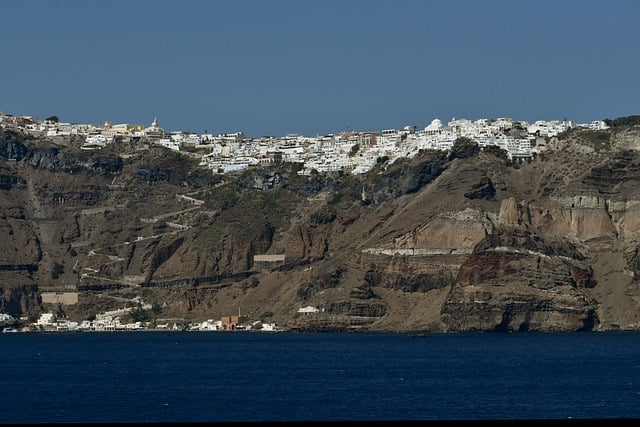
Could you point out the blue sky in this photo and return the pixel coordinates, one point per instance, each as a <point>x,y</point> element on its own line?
<point>274,67</point>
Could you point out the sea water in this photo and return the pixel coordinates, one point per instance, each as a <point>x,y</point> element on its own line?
<point>115,377</point>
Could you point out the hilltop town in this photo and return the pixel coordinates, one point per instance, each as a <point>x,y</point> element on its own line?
<point>485,225</point>
<point>353,152</point>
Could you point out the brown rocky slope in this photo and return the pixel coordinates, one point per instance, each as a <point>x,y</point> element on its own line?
<point>445,241</point>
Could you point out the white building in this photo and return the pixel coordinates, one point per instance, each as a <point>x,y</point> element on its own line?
<point>6,317</point>
<point>46,319</point>
<point>308,309</point>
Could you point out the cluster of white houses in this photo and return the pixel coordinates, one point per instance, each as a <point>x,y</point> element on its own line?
<point>353,152</point>
<point>111,321</point>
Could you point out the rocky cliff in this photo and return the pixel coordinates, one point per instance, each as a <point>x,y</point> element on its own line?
<point>457,241</point>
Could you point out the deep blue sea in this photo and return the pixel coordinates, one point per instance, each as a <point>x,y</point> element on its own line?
<point>117,377</point>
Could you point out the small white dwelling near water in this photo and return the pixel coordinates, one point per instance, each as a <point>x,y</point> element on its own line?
<point>6,317</point>
<point>269,327</point>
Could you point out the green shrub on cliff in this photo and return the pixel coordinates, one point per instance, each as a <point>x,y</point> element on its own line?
<point>623,121</point>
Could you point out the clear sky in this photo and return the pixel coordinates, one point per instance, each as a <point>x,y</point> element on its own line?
<point>273,67</point>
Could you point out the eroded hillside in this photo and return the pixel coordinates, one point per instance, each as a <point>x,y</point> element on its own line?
<point>460,240</point>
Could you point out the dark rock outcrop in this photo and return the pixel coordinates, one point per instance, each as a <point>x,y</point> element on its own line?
<point>516,281</point>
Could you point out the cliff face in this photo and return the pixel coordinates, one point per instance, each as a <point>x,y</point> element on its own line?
<point>517,281</point>
<point>453,241</point>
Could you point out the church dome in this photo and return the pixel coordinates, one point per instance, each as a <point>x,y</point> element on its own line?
<point>435,124</point>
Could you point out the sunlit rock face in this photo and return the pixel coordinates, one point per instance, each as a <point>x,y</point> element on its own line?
<point>515,281</point>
